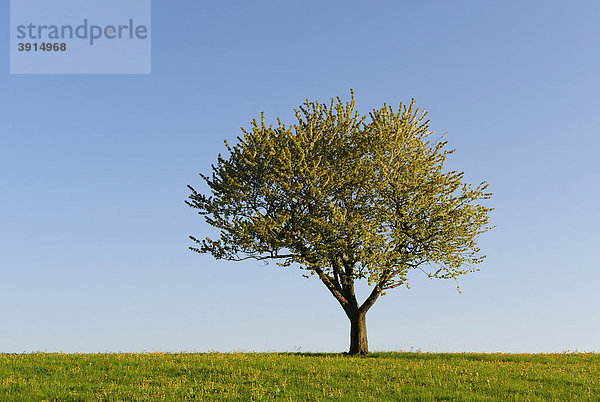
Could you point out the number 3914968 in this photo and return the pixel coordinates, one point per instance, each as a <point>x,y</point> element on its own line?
<point>44,46</point>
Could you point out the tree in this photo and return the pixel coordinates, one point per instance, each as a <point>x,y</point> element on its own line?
<point>347,197</point>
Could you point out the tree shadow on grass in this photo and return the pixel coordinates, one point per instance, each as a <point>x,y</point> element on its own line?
<point>373,355</point>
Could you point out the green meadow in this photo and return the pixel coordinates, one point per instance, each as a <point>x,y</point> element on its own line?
<point>293,376</point>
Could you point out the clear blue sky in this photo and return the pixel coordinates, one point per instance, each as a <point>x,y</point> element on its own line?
<point>93,175</point>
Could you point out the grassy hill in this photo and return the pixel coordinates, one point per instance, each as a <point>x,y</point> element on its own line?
<point>280,376</point>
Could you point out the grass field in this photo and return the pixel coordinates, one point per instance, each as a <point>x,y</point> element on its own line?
<point>250,376</point>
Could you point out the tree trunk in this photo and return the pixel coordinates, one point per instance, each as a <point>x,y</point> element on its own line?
<point>358,333</point>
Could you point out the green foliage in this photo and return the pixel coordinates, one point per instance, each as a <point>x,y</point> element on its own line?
<point>381,376</point>
<point>346,196</point>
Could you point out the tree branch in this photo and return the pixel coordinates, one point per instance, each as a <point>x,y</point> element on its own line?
<point>375,293</point>
<point>337,280</point>
<point>349,284</point>
<point>339,274</point>
<point>327,280</point>
<point>260,258</point>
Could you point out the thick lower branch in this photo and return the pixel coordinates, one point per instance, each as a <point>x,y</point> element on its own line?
<point>348,285</point>
<point>375,293</point>
<point>337,281</point>
<point>368,303</point>
<point>339,274</point>
<point>329,283</point>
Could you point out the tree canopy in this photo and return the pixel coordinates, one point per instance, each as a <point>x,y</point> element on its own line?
<point>346,197</point>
